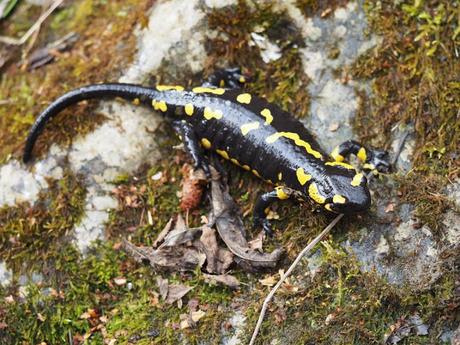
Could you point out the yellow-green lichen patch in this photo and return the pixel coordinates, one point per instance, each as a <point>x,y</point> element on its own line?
<point>97,56</point>
<point>31,236</point>
<point>414,75</point>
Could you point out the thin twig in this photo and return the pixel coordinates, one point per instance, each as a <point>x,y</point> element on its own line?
<point>33,28</point>
<point>288,272</point>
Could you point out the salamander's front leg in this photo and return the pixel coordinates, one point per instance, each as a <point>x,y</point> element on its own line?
<point>264,201</point>
<point>192,146</point>
<point>372,159</point>
<point>229,78</point>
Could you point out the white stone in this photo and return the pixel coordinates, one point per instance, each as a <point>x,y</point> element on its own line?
<point>340,31</point>
<point>5,274</point>
<point>169,23</point>
<point>102,203</point>
<point>383,247</point>
<point>453,192</point>
<point>313,64</point>
<point>312,32</point>
<point>90,229</point>
<point>269,51</point>
<point>451,224</point>
<point>17,184</point>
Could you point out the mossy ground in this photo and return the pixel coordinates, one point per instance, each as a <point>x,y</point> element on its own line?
<point>106,44</point>
<point>414,81</point>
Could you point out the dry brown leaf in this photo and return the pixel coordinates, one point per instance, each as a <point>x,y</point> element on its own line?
<point>218,259</point>
<point>268,281</point>
<point>120,281</point>
<point>257,242</point>
<point>176,292</point>
<point>225,279</point>
<point>197,315</point>
<point>163,233</point>
<point>163,286</point>
<point>230,226</point>
<point>185,321</point>
<point>390,207</point>
<point>179,258</point>
<point>89,314</point>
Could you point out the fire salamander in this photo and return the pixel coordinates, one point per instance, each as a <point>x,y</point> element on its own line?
<point>251,133</point>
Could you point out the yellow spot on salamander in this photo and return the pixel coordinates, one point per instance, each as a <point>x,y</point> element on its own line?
<point>341,164</point>
<point>362,155</point>
<point>223,154</point>
<point>246,167</point>
<point>281,194</point>
<point>136,101</point>
<point>222,83</point>
<point>215,91</point>
<point>246,128</point>
<point>160,105</point>
<point>280,176</point>
<point>244,98</point>
<point>357,179</point>
<point>255,172</point>
<point>302,177</point>
<point>206,143</point>
<point>235,161</point>
<point>189,109</point>
<point>212,114</point>
<point>328,207</point>
<point>299,142</point>
<point>339,199</point>
<point>314,194</point>
<point>242,80</point>
<point>169,87</point>
<point>267,114</point>
<point>336,155</point>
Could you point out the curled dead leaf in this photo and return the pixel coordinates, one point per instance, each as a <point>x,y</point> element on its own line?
<point>225,279</point>
<point>268,281</point>
<point>197,315</point>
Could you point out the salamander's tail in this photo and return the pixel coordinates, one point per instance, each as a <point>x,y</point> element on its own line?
<point>126,91</point>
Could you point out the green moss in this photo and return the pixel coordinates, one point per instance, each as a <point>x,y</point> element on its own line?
<point>31,236</point>
<point>323,8</point>
<point>414,75</point>
<point>414,82</point>
<point>97,56</point>
<point>282,81</point>
<point>341,305</point>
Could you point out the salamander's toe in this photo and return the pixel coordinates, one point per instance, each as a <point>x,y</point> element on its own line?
<point>265,224</point>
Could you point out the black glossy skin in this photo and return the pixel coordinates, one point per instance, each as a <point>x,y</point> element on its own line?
<point>277,161</point>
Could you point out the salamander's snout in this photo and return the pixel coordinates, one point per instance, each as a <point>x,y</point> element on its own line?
<point>351,195</point>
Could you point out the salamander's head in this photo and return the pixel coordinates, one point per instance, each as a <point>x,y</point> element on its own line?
<point>343,189</point>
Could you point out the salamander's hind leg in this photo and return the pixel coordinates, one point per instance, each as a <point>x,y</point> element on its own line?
<point>229,78</point>
<point>372,159</point>
<point>264,201</point>
<point>192,146</point>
